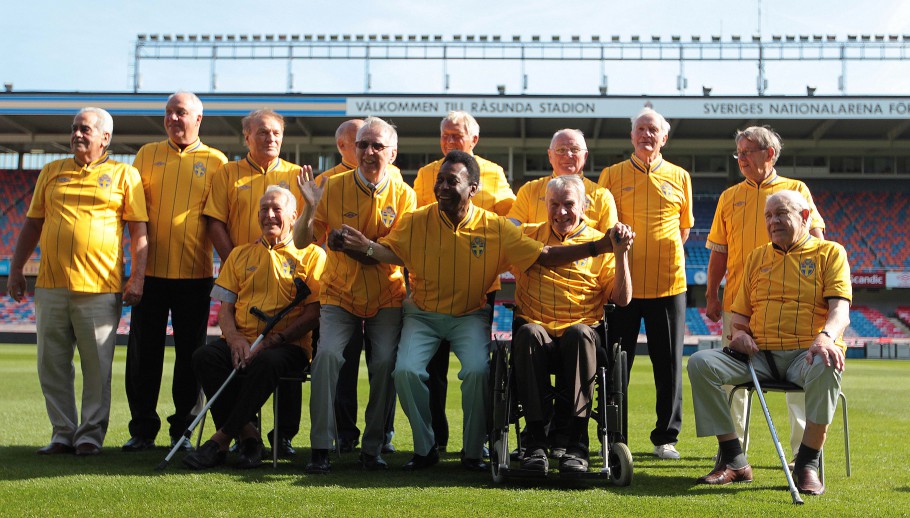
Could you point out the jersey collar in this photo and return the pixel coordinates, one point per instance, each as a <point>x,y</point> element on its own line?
<point>271,167</point>
<point>447,222</point>
<point>766,182</point>
<point>102,159</point>
<point>368,188</point>
<point>637,163</point>
<point>799,244</point>
<point>192,147</point>
<point>281,244</point>
<point>575,232</point>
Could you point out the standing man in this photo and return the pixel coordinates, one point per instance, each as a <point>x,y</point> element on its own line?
<point>77,214</point>
<point>346,396</point>
<point>454,252</point>
<point>789,317</point>
<point>232,211</point>
<point>737,229</point>
<point>357,292</point>
<point>459,131</point>
<point>176,178</point>
<point>655,197</point>
<point>568,154</point>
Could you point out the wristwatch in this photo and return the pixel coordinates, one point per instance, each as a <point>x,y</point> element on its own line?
<point>369,252</point>
<point>826,333</point>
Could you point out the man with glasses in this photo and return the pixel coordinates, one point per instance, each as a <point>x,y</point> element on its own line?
<point>568,154</point>
<point>232,211</point>
<point>459,131</point>
<point>357,291</point>
<point>739,228</point>
<point>655,198</point>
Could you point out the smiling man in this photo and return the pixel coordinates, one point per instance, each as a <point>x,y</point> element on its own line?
<point>737,229</point>
<point>454,252</point>
<point>792,306</point>
<point>568,153</point>
<point>176,178</point>
<point>557,311</point>
<point>77,214</point>
<point>655,198</point>
<point>259,274</point>
<point>232,212</point>
<point>358,292</point>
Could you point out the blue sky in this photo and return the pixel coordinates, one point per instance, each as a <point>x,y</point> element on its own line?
<point>88,46</point>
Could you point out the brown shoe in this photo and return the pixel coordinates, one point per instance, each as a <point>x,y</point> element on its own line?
<point>87,449</point>
<point>55,448</point>
<point>724,474</point>
<point>808,483</point>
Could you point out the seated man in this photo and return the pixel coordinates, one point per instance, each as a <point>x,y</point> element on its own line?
<point>793,306</point>
<point>453,251</point>
<point>557,311</point>
<point>259,274</point>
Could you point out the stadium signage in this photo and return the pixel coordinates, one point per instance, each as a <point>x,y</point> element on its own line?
<point>671,107</point>
<point>868,279</point>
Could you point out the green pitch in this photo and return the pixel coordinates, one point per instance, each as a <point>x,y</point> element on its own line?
<point>120,484</point>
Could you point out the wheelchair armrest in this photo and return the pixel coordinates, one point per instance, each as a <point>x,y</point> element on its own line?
<point>609,308</point>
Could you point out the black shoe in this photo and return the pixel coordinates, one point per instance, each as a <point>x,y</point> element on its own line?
<point>388,448</point>
<point>206,457</point>
<point>517,454</point>
<point>285,450</point>
<point>474,464</point>
<point>423,461</point>
<point>250,453</point>
<point>319,463</point>
<point>348,446</point>
<point>535,460</point>
<point>575,460</point>
<point>372,462</point>
<point>557,452</point>
<point>137,443</point>
<point>185,444</point>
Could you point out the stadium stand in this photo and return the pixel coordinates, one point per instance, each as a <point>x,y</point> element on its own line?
<point>16,189</point>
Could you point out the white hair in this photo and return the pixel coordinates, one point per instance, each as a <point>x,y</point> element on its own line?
<point>104,124</point>
<point>567,183</point>
<point>290,201</point>
<point>461,117</point>
<point>384,126</point>
<point>568,131</point>
<point>793,200</point>
<point>664,125</point>
<point>195,102</point>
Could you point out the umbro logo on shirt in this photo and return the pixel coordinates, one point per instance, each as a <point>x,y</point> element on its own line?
<point>159,164</point>
<point>244,188</point>
<point>350,214</point>
<point>739,204</point>
<point>251,269</point>
<point>628,189</point>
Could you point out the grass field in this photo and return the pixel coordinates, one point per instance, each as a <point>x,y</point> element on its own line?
<point>119,484</point>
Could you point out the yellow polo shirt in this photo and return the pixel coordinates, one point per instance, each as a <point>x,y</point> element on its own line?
<point>374,211</point>
<point>176,184</point>
<point>531,204</point>
<point>559,297</point>
<point>656,203</point>
<point>453,264</point>
<point>84,207</point>
<point>739,224</point>
<point>256,274</point>
<point>236,189</point>
<point>785,294</point>
<point>494,193</point>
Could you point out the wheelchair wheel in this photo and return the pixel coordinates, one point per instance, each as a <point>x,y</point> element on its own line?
<point>620,464</point>
<point>501,406</point>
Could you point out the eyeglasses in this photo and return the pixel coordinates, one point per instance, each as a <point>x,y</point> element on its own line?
<point>564,151</point>
<point>377,147</point>
<point>744,154</point>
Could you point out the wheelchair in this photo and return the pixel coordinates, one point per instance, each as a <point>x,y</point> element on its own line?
<point>610,388</point>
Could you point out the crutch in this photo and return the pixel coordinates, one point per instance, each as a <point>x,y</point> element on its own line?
<point>303,291</point>
<point>780,451</point>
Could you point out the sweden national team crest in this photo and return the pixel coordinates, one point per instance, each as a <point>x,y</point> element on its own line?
<point>807,267</point>
<point>288,267</point>
<point>199,169</point>
<point>104,181</point>
<point>477,246</point>
<point>388,216</point>
<point>666,189</point>
<point>588,202</point>
<point>582,263</point>
<point>283,184</point>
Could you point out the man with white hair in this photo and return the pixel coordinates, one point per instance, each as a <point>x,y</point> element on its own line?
<point>357,291</point>
<point>789,316</point>
<point>78,214</point>
<point>176,177</point>
<point>567,154</point>
<point>737,229</point>
<point>459,131</point>
<point>261,275</point>
<point>655,198</point>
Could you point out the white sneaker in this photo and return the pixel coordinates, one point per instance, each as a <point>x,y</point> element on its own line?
<point>666,451</point>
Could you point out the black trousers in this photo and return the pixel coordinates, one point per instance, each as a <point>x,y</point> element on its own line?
<point>187,301</point>
<point>665,323</point>
<point>251,388</point>
<point>346,391</point>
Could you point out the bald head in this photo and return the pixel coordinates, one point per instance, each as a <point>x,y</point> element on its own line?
<point>345,136</point>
